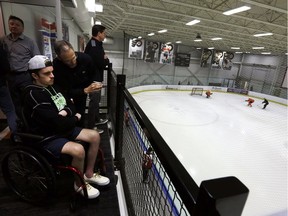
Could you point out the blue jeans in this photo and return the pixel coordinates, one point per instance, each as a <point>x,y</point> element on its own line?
<point>93,109</point>
<point>7,108</point>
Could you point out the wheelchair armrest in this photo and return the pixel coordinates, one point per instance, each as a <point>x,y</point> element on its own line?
<point>30,136</point>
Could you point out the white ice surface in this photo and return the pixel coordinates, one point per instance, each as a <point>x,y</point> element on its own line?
<point>222,136</point>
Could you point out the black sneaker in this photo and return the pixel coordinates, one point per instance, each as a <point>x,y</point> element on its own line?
<point>101,121</point>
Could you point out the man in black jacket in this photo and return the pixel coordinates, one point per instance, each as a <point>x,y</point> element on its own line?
<point>48,113</point>
<point>73,73</point>
<point>95,49</point>
<point>6,103</point>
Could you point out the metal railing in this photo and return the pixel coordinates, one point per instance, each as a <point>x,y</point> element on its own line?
<point>169,189</point>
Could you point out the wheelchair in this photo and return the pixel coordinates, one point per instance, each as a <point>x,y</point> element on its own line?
<point>30,171</point>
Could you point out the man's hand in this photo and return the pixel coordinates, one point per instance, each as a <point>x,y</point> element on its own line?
<point>62,113</point>
<point>95,86</point>
<point>78,115</point>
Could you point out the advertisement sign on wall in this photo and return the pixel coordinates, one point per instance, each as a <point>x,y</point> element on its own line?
<point>152,51</point>
<point>166,55</point>
<point>136,48</point>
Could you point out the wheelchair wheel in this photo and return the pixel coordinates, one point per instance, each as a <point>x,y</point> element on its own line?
<point>28,174</point>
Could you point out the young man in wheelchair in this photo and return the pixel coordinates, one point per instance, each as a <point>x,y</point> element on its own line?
<point>49,113</point>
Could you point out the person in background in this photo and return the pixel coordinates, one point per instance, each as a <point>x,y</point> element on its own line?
<point>147,164</point>
<point>208,93</point>
<point>95,49</point>
<point>6,103</point>
<point>250,101</point>
<point>48,113</point>
<point>73,72</point>
<point>265,102</point>
<point>126,117</point>
<point>20,50</point>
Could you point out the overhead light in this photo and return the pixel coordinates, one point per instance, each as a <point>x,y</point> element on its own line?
<point>97,22</point>
<point>263,34</point>
<point>198,48</point>
<point>257,47</point>
<point>90,5</point>
<point>237,10</point>
<point>139,37</point>
<point>193,22</point>
<point>236,48</point>
<point>238,52</point>
<point>162,31</point>
<point>286,53</point>
<point>198,37</point>
<point>168,42</point>
<point>178,42</point>
<point>266,53</point>
<point>217,38</point>
<point>211,48</point>
<point>98,7</point>
<point>151,34</point>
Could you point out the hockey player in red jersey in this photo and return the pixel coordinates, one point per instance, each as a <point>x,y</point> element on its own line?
<point>208,93</point>
<point>250,101</point>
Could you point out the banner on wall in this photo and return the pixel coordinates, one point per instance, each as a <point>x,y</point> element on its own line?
<point>166,55</point>
<point>152,51</point>
<point>227,60</point>
<point>65,31</point>
<point>136,48</point>
<point>81,43</point>
<point>206,58</point>
<point>217,59</point>
<point>48,38</point>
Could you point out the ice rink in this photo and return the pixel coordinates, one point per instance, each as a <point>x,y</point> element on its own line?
<point>222,136</point>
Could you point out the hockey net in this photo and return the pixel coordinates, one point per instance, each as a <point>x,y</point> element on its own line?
<point>197,91</point>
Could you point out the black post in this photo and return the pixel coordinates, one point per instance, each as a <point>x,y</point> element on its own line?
<point>221,197</point>
<point>119,116</point>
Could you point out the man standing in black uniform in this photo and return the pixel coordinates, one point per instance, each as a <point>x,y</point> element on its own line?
<point>73,73</point>
<point>95,49</point>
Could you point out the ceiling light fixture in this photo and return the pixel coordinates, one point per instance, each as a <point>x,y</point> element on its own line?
<point>235,48</point>
<point>211,48</point>
<point>178,42</point>
<point>193,22</point>
<point>89,4</point>
<point>198,37</point>
<point>98,7</point>
<point>237,10</point>
<point>151,34</point>
<point>217,38</point>
<point>266,53</point>
<point>257,47</point>
<point>263,34</point>
<point>162,31</point>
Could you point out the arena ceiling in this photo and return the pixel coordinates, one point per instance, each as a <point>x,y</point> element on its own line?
<point>141,17</point>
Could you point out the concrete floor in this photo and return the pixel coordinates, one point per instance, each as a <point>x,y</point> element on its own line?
<point>222,136</point>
